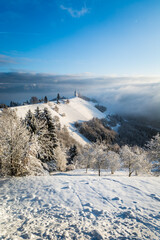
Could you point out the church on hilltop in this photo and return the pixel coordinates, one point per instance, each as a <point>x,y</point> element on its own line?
<point>76,94</point>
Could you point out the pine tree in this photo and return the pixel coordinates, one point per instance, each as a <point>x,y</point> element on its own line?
<point>30,121</point>
<point>51,127</point>
<point>37,126</point>
<point>11,104</point>
<point>58,98</point>
<point>47,140</point>
<point>45,99</point>
<point>37,113</point>
<point>72,154</point>
<point>48,147</point>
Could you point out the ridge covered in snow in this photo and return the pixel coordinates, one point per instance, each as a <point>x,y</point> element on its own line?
<point>76,110</point>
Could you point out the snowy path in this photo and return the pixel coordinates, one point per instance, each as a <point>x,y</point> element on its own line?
<point>79,206</point>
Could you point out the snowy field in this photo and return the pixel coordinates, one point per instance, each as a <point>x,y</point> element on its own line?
<point>76,205</point>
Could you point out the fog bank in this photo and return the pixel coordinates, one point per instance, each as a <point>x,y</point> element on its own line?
<point>125,95</point>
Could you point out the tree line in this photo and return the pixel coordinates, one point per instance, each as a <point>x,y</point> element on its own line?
<point>137,160</point>
<point>35,145</point>
<point>33,100</point>
<point>38,145</point>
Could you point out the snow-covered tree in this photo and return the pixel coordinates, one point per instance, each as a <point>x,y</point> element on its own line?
<point>60,159</point>
<point>51,127</point>
<point>128,159</point>
<point>41,127</point>
<point>50,150</point>
<point>30,122</point>
<point>142,164</point>
<point>35,166</point>
<point>113,160</point>
<point>135,159</point>
<point>37,113</point>
<point>93,156</point>
<point>86,157</point>
<point>100,156</point>
<point>56,109</point>
<point>14,144</point>
<point>35,123</point>
<point>154,152</point>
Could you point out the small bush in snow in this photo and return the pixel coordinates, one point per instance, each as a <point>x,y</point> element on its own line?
<point>56,109</point>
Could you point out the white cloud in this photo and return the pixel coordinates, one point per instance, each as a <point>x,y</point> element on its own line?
<point>75,13</point>
<point>5,60</point>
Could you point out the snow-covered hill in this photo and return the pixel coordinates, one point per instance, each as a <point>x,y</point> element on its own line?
<point>76,110</point>
<point>76,205</point>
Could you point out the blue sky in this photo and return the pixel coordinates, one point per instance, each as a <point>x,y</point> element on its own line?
<point>103,37</point>
<point>109,49</point>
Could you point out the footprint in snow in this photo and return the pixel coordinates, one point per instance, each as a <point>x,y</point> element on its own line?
<point>67,187</point>
<point>88,205</point>
<point>65,183</point>
<point>96,235</point>
<point>123,207</point>
<point>155,197</point>
<point>116,198</point>
<point>97,212</point>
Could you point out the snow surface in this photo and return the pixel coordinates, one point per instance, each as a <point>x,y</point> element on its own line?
<point>77,110</point>
<point>76,205</point>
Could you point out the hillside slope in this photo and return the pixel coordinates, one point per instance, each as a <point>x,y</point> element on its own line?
<point>76,110</point>
<point>75,205</point>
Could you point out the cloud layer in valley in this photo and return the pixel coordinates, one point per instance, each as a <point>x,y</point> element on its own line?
<point>126,95</point>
